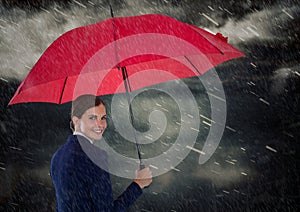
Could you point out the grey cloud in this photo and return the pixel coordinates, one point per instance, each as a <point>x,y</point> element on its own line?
<point>25,36</point>
<point>280,78</point>
<point>267,24</point>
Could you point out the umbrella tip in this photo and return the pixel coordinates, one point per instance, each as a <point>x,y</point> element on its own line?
<point>221,37</point>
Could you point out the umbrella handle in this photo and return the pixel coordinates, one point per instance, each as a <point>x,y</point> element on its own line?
<point>142,165</point>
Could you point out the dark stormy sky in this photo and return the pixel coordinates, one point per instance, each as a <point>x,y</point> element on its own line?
<point>257,162</point>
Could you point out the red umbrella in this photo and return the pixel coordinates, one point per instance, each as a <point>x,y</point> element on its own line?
<point>99,58</point>
<point>88,59</point>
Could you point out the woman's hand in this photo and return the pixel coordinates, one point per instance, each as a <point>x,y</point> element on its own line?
<point>143,177</point>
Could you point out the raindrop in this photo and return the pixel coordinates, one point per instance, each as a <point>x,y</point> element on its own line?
<point>210,19</point>
<point>271,149</point>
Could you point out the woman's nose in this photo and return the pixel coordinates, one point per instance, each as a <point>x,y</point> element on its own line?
<point>100,122</point>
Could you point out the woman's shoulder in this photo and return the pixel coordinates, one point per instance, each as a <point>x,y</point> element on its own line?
<point>69,151</point>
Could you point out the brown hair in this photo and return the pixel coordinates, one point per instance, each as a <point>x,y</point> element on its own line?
<point>83,103</point>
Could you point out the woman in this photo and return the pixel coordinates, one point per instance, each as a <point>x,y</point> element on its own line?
<point>80,184</point>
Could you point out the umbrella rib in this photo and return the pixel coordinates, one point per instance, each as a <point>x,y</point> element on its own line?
<point>209,41</point>
<point>214,45</point>
<point>62,91</point>
<point>192,64</point>
<point>126,77</point>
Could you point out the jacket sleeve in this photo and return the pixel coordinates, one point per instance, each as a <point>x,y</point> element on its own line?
<point>102,195</point>
<point>128,197</point>
<point>92,192</point>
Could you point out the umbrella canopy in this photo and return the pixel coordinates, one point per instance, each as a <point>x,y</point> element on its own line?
<point>88,59</point>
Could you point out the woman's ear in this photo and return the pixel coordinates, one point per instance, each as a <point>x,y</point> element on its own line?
<point>75,120</point>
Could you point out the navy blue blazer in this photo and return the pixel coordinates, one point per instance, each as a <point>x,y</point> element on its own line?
<point>81,185</point>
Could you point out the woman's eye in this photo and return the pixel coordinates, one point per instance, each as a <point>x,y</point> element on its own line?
<point>93,118</point>
<point>104,118</point>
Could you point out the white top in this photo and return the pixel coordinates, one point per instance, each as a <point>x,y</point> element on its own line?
<point>79,133</point>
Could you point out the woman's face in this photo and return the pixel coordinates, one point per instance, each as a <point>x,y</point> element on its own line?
<point>92,123</point>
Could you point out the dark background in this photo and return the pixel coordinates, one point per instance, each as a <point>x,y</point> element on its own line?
<point>256,165</point>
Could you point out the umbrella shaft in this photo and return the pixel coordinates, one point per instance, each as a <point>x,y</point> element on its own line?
<point>128,89</point>
<point>111,9</point>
